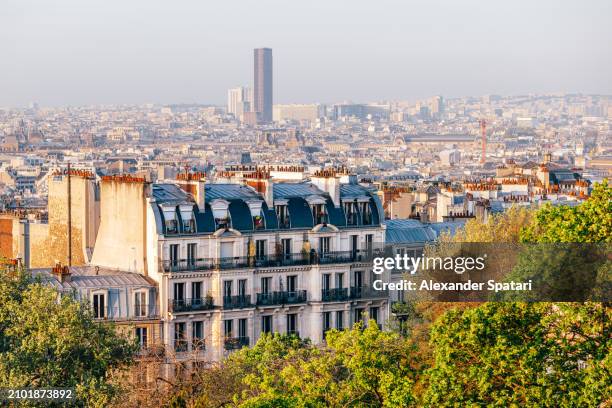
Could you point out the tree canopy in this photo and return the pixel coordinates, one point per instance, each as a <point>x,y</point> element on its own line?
<point>48,340</point>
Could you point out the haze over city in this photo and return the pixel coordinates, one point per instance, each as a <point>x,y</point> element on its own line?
<point>113,52</point>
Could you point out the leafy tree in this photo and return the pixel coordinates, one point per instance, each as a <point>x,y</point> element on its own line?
<point>591,221</point>
<point>47,340</point>
<point>521,354</point>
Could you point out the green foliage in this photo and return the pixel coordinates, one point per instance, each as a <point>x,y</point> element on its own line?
<point>52,341</point>
<point>591,221</point>
<point>521,354</point>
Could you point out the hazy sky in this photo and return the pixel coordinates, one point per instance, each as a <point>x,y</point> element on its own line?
<point>73,52</point>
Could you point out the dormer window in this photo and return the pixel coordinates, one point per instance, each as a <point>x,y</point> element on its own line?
<point>319,214</point>
<point>366,213</point>
<point>282,212</point>
<point>220,209</point>
<point>171,223</point>
<point>352,213</point>
<point>187,219</point>
<point>255,207</point>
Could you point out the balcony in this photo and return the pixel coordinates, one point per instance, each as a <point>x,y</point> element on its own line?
<point>134,312</point>
<point>334,295</point>
<point>235,343</point>
<point>190,305</point>
<point>237,302</point>
<point>281,298</point>
<point>268,261</point>
<point>368,292</point>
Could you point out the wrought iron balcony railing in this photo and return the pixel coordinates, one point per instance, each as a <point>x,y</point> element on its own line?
<point>189,305</point>
<point>235,343</point>
<point>269,261</point>
<point>133,312</point>
<point>367,292</point>
<point>237,302</point>
<point>281,298</point>
<point>334,295</point>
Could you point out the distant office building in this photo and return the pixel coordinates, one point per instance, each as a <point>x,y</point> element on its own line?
<point>309,112</point>
<point>437,106</point>
<point>450,157</point>
<point>262,92</point>
<point>239,101</point>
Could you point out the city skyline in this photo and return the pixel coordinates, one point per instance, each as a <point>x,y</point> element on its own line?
<point>67,54</point>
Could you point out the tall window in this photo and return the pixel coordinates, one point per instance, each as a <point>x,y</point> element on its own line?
<point>99,305</point>
<point>227,288</point>
<point>292,323</point>
<point>192,254</point>
<point>228,328</point>
<point>266,324</point>
<point>340,320</point>
<point>180,343</point>
<point>340,280</point>
<point>260,249</point>
<point>358,317</point>
<point>286,245</point>
<point>179,291</point>
<point>318,214</point>
<point>197,335</point>
<point>369,242</point>
<point>242,328</point>
<point>283,216</point>
<point>366,213</point>
<point>141,336</point>
<point>324,245</point>
<point>242,288</point>
<point>326,281</point>
<point>292,283</point>
<point>354,245</point>
<point>374,314</point>
<point>265,284</point>
<point>174,255</point>
<point>196,290</point>
<point>140,304</point>
<point>326,322</point>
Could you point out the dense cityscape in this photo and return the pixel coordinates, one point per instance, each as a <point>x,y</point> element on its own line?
<point>206,254</point>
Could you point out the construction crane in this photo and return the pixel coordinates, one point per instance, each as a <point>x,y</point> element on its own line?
<point>483,131</point>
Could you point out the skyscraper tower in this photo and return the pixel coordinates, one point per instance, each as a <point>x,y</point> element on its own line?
<point>262,84</point>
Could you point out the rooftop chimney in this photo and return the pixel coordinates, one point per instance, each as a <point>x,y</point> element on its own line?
<point>195,184</point>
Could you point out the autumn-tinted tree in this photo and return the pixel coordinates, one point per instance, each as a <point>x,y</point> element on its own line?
<point>52,341</point>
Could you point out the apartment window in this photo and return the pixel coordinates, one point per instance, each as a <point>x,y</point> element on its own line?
<point>142,336</point>
<point>180,343</point>
<point>326,322</point>
<point>354,245</point>
<point>260,249</point>
<point>283,216</point>
<point>266,285</point>
<point>99,305</point>
<point>324,245</point>
<point>266,324</point>
<point>351,212</point>
<point>196,290</point>
<point>339,280</point>
<point>292,323</point>
<point>358,279</point>
<point>228,329</point>
<point>140,304</point>
<point>171,225</point>
<point>242,328</point>
<point>366,213</point>
<point>374,314</point>
<point>318,214</point>
<point>340,320</point>
<point>179,291</point>
<point>326,281</point>
<point>227,288</point>
<point>197,335</point>
<point>192,254</point>
<point>242,288</point>
<point>292,283</point>
<point>189,226</point>
<point>358,315</point>
<point>174,255</point>
<point>286,247</point>
<point>369,242</point>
